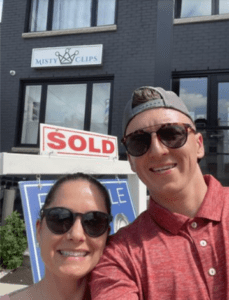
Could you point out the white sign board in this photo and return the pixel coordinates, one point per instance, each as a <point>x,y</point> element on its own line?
<point>68,56</point>
<point>72,142</point>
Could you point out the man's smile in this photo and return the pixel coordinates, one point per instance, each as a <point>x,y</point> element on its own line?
<point>163,168</point>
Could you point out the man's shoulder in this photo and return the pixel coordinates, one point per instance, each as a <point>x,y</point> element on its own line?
<point>215,185</point>
<point>134,231</point>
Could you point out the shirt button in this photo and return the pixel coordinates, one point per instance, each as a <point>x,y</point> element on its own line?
<point>212,271</point>
<point>194,225</point>
<point>203,243</point>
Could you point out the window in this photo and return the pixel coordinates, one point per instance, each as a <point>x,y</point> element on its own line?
<point>70,14</point>
<point>207,99</point>
<point>195,8</point>
<point>1,5</point>
<point>193,91</point>
<point>223,6</point>
<point>223,103</point>
<point>83,105</point>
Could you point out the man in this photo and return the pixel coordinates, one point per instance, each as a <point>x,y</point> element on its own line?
<point>179,247</point>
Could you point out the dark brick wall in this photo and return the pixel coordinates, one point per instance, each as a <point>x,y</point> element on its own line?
<point>201,46</point>
<point>128,56</point>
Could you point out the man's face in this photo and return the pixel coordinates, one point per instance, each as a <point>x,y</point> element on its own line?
<point>162,169</point>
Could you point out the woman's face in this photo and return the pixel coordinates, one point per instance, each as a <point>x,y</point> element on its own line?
<point>73,253</point>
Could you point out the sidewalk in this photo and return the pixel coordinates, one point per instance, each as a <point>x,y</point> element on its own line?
<point>12,280</point>
<point>6,288</point>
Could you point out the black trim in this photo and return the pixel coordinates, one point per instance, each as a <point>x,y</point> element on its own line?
<point>214,8</point>
<point>178,9</point>
<point>213,79</point>
<point>111,107</point>
<point>176,85</point>
<point>27,16</point>
<point>50,15</point>
<point>199,73</point>
<point>116,12</point>
<point>94,15</point>
<point>208,99</point>
<point>20,114</point>
<point>44,89</point>
<point>212,101</point>
<point>67,79</point>
<point>87,118</point>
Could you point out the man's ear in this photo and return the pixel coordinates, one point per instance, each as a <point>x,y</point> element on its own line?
<point>131,161</point>
<point>200,145</point>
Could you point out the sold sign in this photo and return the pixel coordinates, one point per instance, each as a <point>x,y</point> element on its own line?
<point>66,141</point>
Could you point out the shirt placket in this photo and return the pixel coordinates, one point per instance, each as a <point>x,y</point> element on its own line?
<point>205,253</point>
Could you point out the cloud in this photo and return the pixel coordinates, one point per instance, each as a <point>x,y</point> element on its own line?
<point>193,100</point>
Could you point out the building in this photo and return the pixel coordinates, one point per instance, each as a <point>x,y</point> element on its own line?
<point>178,44</point>
<point>200,74</point>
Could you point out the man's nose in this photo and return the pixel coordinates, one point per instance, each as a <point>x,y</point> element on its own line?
<point>157,148</point>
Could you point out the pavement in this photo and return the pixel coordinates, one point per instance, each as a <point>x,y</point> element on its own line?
<point>12,280</point>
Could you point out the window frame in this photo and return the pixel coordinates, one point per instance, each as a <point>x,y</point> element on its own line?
<point>213,78</point>
<point>178,3</point>
<point>215,160</point>
<point>50,16</point>
<point>43,103</point>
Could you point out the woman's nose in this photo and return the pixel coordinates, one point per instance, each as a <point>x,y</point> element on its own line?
<point>76,232</point>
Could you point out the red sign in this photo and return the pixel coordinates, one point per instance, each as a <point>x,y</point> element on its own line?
<point>66,141</point>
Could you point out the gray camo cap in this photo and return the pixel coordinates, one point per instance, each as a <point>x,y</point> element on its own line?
<point>164,98</point>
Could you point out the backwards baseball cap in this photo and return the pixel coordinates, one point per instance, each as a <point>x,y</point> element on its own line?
<point>148,97</point>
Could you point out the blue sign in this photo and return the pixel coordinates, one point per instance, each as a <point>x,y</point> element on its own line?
<point>33,196</point>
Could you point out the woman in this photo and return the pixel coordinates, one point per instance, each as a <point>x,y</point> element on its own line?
<point>72,233</point>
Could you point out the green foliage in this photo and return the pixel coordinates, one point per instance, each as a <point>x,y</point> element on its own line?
<point>13,241</point>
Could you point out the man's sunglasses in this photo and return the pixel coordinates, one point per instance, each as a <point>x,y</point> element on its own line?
<point>172,135</point>
<point>60,219</point>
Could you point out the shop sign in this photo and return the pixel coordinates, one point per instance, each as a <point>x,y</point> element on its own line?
<point>57,140</point>
<point>68,56</point>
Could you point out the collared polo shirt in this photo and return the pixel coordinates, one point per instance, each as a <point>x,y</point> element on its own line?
<point>164,255</point>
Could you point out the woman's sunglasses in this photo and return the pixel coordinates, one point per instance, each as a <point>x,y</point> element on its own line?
<point>60,219</point>
<point>172,135</point>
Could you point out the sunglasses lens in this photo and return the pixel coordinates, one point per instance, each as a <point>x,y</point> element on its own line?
<point>95,223</point>
<point>173,136</point>
<point>138,143</point>
<point>59,220</point>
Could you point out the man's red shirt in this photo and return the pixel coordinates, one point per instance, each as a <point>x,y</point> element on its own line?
<point>164,255</point>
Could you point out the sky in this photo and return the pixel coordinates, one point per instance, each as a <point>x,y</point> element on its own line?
<point>1,3</point>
